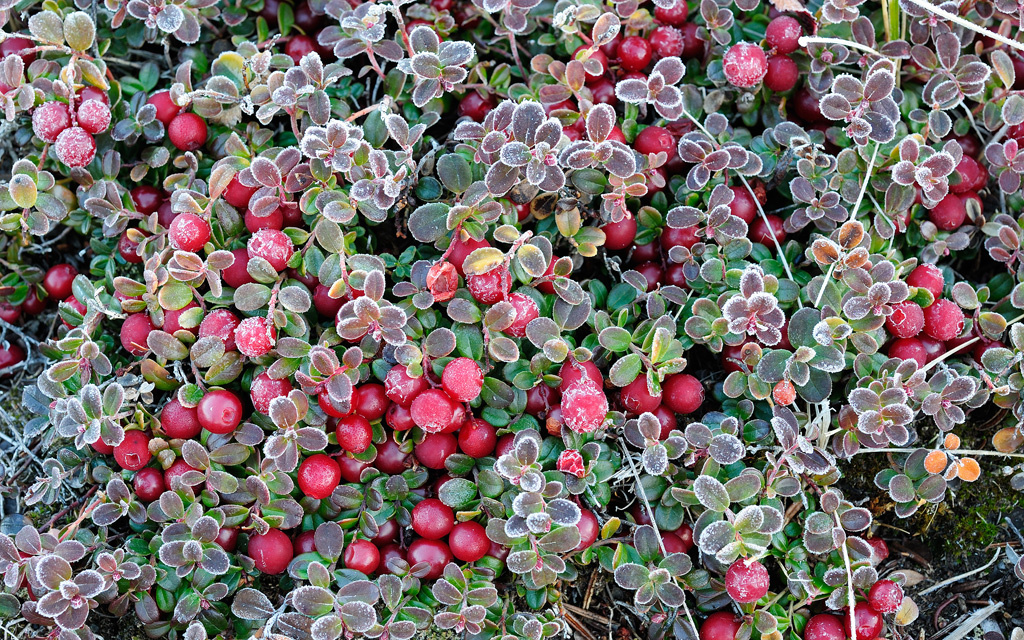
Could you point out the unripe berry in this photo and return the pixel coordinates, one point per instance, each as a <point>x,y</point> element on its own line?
<point>187,131</point>
<point>744,65</point>
<point>49,120</point>
<point>75,147</point>
<point>189,232</point>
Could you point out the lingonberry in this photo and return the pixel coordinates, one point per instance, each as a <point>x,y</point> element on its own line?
<point>762,232</point>
<point>784,392</point>
<point>693,46</point>
<point>271,552</point>
<point>305,542</point>
<point>462,380</point>
<point>584,406</point>
<point>744,65</point>
<point>908,349</point>
<point>58,279</point>
<point>783,34</point>
<point>634,53</point>
<point>272,245</point>
<point>476,106</point>
<point>387,532</point>
<point>237,273</point>
<point>824,626</point>
<point>91,93</point>
<point>637,398</point>
<point>354,433</point>
<point>99,446</point>
<point>540,398</point>
<point>189,232</point>
<point>491,287</point>
<point>399,418</point>
<point>220,323</point>
<point>75,147</point>
<point>667,418</point>
<point>597,56</point>
<point>620,235</point>
<point>477,438</point>
<point>927,276</point>
<point>173,319</point>
<point>432,410</point>
<point>655,139</point>
<point>652,273</point>
<point>746,581</point>
<point>943,320</point>
<point>391,459</point>
<point>9,313</point>
<point>721,625</point>
<point>526,311</point>
<point>674,15</point>
<point>402,388</point>
<point>672,237</point>
<point>227,538</point>
<point>133,452</point>
<point>166,110</point>
<point>362,556</point>
<point>434,552</point>
<point>879,550</point>
<point>220,411</point>
<point>298,46</point>
<point>264,389</point>
<point>94,116</point>
<point>685,534</point>
<point>148,484</point>
<point>134,333</point>
<point>667,41</point>
<point>33,304</point>
<point>468,541</point>
<point>176,471</point>
<point>187,131</point>
<point>165,214</point>
<point>74,304</point>
<point>969,172</point>
<point>743,205</point>
<point>17,45</point>
<point>949,214</point>
<point>806,107</point>
<point>128,248</point>
<point>49,120</point>
<point>572,371</point>
<point>326,305</point>
<point>179,421</point>
<point>351,469</point>
<point>435,449</point>
<point>589,529</point>
<point>370,401</point>
<point>390,552</point>
<point>255,336</point>
<point>571,461</point>
<point>885,596</point>
<point>318,476</point>
<point>782,73</point>
<point>906,319</point>
<point>273,221</point>
<point>868,623</point>
<point>602,91</point>
<point>432,519</point>
<point>237,194</point>
<point>644,253</point>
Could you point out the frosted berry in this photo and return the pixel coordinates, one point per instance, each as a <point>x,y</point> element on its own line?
<point>682,393</point>
<point>94,116</point>
<point>187,131</point>
<point>148,484</point>
<point>868,622</point>
<point>220,323</point>
<point>477,438</point>
<point>435,449</point>
<point>744,65</point>
<point>220,411</point>
<point>571,372</point>
<point>362,556</point>
<point>189,232</point>
<point>949,214</point>
<point>782,73</point>
<point>634,53</point>
<point>491,287</point>
<point>271,552</point>
<point>462,380</point>
<point>255,337</point>
<point>571,461</point>
<point>468,541</point>
<point>746,581</point>
<point>584,406</point>
<point>134,333</point>
<point>885,596</point>
<point>824,626</point>
<point>133,452</point>
<point>784,392</point>
<point>49,120</point>
<point>526,311</point>
<point>667,41</point>
<point>273,246</point>
<point>906,320</point>
<point>179,421</point>
<point>674,15</point>
<point>879,550</point>
<point>927,276</point>
<point>318,476</point>
<point>166,110</point>
<point>354,433</point>
<point>620,235</point>
<point>783,34</point>
<point>721,625</point>
<point>943,320</point>
<point>432,410</point>
<point>442,281</point>
<point>75,147</point>
<point>402,388</point>
<point>432,519</point>
<point>434,552</point>
<point>636,397</point>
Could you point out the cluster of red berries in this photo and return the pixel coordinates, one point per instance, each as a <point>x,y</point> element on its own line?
<point>746,65</point>
<point>186,130</point>
<point>71,131</point>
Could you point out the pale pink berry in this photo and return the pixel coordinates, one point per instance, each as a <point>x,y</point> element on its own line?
<point>49,120</point>
<point>94,116</point>
<point>75,147</point>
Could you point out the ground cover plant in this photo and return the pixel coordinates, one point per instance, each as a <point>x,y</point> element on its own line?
<point>404,319</point>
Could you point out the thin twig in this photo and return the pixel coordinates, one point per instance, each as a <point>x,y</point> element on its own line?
<point>962,576</point>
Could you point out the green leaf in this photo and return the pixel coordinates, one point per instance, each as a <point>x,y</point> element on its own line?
<point>625,370</point>
<point>149,75</point>
<point>429,222</point>
<point>458,493</point>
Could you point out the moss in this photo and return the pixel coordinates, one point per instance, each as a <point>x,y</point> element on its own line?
<point>436,633</point>
<point>972,513</point>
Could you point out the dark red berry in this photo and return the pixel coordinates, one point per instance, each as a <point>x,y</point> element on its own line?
<point>762,232</point>
<point>298,46</point>
<point>391,459</point>
<point>271,552</point>
<point>475,106</point>
<point>652,273</point>
<point>685,237</point>
<point>435,449</point>
<point>227,538</point>
<point>220,323</point>
<point>620,235</point>
<point>370,401</point>
<point>682,393</point>
<point>782,73</point>
<point>237,274</point>
<point>908,349</point>
<point>783,34</point>
<point>949,214</point>
<point>434,552</point>
<point>149,484</point>
<point>589,529</point>
<point>655,139</point>
<point>133,452</point>
<point>468,541</point>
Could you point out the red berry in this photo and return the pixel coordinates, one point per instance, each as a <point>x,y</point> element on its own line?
<point>762,233</point>
<point>868,622</point>
<point>391,459</point>
<point>746,581</point>
<point>599,57</point>
<point>435,449</point>
<point>460,251</point>
<point>255,223</point>
<point>693,46</point>
<point>146,198</point>
<point>399,418</point>
<point>388,552</point>
<point>721,625</point>
<point>468,541</point>
<point>271,552</point>
<point>433,552</point>
<point>220,323</point>
<point>634,53</point>
<point>879,549</point>
<point>571,372</point>
<point>179,421</point>
<point>227,538</point>
<point>603,92</point>
<point>128,248</point>
<point>237,274</point>
<point>644,253</point>
<point>432,410</point>
<point>362,556</point>
<point>134,333</point>
<point>675,275</point>
<point>273,246</point>
<point>175,471</point>
<point>354,433</point>
<point>165,215</point>
<point>462,380</point>
<point>667,418</point>
<point>166,110</point>
<point>927,276</point>
<point>220,411</point>
<point>589,529</point>
<point>943,320</point>
<point>187,131</point>
<point>237,194</point>
<point>674,15</point>
<point>318,476</point>
<point>685,237</point>
<point>571,461</point>
<point>16,45</point>
<point>75,147</point>
<point>133,452</point>
<point>652,273</point>
<point>906,320</point>
<point>9,313</point>
<point>94,116</point>
<point>91,93</point>
<point>255,336</point>
<point>685,534</point>
<point>324,303</point>
<point>784,392</point>
<point>635,396</point>
<point>806,106</point>
<point>298,46</point>
<point>949,213</point>
<point>541,398</point>
<point>620,235</point>
<point>908,349</point>
<point>970,175</point>
<point>33,304</point>
<point>264,389</point>
<point>370,401</point>
<point>743,205</point>
<point>584,406</point>
<point>682,393</point>
<point>402,388</point>
<point>172,319</point>
<point>667,41</point>
<point>782,73</point>
<point>477,438</point>
<point>475,106</point>
<point>351,469</point>
<point>324,400</point>
<point>885,596</point>
<point>783,34</point>
<point>386,533</point>
<point>491,287</point>
<point>148,484</point>
<point>655,139</point>
<point>824,626</point>
<point>744,65</point>
<point>526,311</point>
<point>432,519</point>
<point>99,446</point>
<point>49,120</point>
<point>504,445</point>
<point>189,232</point>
